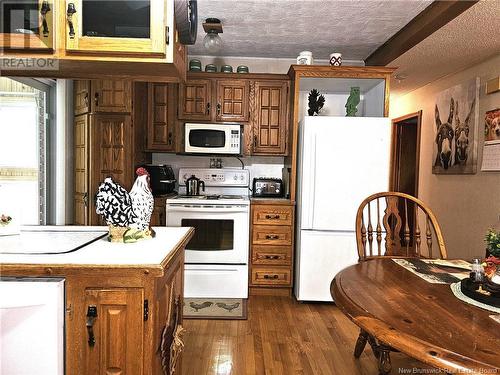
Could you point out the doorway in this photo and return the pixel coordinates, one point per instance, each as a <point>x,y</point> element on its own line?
<point>405,153</point>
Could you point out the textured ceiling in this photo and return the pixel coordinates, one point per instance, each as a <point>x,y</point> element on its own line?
<point>283,28</point>
<point>470,38</point>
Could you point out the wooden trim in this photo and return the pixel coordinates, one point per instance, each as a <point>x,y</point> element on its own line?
<point>431,19</point>
<point>250,76</point>
<point>418,115</point>
<point>84,68</point>
<point>326,71</point>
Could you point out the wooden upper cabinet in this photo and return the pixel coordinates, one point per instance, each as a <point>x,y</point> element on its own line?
<point>270,117</point>
<point>82,97</point>
<point>161,120</point>
<point>38,14</point>
<point>114,342</point>
<point>111,96</point>
<point>195,100</point>
<point>232,100</point>
<point>107,28</point>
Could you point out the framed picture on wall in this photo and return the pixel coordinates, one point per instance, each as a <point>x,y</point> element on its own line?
<point>491,148</point>
<point>456,117</point>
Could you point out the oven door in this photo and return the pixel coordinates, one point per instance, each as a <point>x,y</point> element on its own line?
<point>221,232</point>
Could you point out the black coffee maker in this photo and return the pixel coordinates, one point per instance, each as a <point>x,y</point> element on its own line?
<point>162,179</point>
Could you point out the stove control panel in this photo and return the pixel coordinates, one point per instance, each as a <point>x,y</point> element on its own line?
<point>216,177</point>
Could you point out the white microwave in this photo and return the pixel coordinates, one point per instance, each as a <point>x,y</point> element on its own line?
<point>213,138</point>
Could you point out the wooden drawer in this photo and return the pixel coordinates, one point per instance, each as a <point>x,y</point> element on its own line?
<point>273,215</point>
<point>271,276</point>
<point>272,255</point>
<point>271,235</point>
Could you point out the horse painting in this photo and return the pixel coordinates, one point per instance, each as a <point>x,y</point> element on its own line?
<point>462,136</point>
<point>444,138</point>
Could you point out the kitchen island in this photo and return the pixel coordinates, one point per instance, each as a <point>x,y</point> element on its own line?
<point>123,308</point>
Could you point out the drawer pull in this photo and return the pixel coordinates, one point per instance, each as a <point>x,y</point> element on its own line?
<point>272,237</point>
<point>272,257</point>
<point>274,277</point>
<point>275,217</point>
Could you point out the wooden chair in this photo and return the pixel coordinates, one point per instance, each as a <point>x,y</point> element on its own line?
<point>397,225</point>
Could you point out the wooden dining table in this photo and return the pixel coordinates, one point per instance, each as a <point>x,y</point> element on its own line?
<point>396,309</point>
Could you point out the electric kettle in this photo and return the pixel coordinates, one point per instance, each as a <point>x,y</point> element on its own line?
<point>193,185</point>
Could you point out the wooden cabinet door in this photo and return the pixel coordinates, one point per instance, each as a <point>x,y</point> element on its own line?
<point>169,292</point>
<point>39,17</point>
<point>158,216</point>
<point>111,153</point>
<point>161,122</point>
<point>195,100</point>
<point>153,45</point>
<point>82,96</point>
<point>111,96</point>
<point>118,331</point>
<point>271,117</point>
<point>81,163</point>
<point>232,100</point>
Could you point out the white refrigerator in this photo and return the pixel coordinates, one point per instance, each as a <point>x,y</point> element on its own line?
<point>341,161</point>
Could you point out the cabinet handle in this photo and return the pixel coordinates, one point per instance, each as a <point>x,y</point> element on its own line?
<point>267,276</point>
<point>254,141</point>
<point>96,99</point>
<point>86,99</point>
<point>170,136</point>
<point>43,11</point>
<point>272,257</point>
<point>218,109</point>
<point>272,237</point>
<point>208,108</point>
<point>86,199</point>
<point>274,217</point>
<point>91,317</point>
<point>69,16</point>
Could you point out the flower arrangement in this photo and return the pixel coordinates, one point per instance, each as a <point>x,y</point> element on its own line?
<point>492,262</point>
<point>492,240</point>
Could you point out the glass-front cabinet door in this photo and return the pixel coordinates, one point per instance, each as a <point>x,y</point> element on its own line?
<point>27,25</point>
<point>116,26</point>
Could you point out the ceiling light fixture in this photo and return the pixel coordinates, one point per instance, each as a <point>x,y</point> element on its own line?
<point>212,41</point>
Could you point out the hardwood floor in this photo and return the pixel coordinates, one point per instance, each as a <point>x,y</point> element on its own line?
<point>281,336</point>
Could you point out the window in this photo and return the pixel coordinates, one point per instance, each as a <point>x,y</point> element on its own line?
<point>25,157</point>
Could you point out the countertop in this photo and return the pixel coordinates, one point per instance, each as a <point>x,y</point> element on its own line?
<point>152,252</point>
<point>272,201</point>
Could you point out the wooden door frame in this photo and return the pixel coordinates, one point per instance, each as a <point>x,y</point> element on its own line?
<point>392,176</point>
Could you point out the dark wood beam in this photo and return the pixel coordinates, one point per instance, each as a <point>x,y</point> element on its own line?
<point>431,19</point>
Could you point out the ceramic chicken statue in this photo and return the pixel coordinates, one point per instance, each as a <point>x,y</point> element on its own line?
<point>127,214</point>
<point>352,102</point>
<point>142,200</point>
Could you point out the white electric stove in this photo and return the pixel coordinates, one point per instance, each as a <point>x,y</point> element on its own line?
<point>216,261</point>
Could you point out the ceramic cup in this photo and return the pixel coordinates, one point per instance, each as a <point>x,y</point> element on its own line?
<point>210,68</point>
<point>195,65</point>
<point>336,59</point>
<point>242,69</point>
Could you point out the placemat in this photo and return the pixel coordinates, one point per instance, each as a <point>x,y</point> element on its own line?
<point>455,288</point>
<point>434,271</point>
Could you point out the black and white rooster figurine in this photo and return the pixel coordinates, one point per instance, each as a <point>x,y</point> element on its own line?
<point>127,214</point>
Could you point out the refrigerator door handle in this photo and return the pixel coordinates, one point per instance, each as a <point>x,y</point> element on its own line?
<point>312,187</point>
